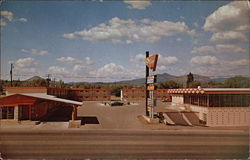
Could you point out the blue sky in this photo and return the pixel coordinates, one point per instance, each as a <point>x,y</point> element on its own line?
<point>107,41</point>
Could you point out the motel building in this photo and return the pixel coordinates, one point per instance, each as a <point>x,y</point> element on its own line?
<point>33,103</point>
<point>215,106</point>
<point>80,94</point>
<point>138,94</point>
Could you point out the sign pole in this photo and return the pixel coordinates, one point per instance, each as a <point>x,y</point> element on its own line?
<point>147,92</point>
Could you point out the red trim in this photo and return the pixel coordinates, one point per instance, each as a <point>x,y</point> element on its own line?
<point>93,95</point>
<point>15,105</point>
<point>26,87</point>
<point>136,89</point>
<point>82,89</point>
<point>58,88</point>
<point>134,95</point>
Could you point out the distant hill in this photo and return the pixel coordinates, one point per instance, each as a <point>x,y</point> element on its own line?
<point>35,78</point>
<point>219,79</point>
<point>200,78</point>
<point>160,78</point>
<point>165,76</point>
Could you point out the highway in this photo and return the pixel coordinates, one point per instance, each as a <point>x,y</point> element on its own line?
<point>124,144</point>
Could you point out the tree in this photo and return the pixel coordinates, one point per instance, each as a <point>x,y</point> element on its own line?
<point>190,79</point>
<point>194,84</point>
<point>170,84</point>
<point>237,82</point>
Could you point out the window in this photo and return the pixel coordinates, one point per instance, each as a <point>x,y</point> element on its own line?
<point>7,112</point>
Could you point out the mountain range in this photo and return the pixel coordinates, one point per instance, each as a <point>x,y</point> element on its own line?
<point>165,76</point>
<point>160,78</point>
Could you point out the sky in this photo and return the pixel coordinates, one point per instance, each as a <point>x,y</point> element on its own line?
<point>106,40</point>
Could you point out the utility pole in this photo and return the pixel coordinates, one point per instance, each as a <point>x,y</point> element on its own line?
<point>147,92</point>
<point>11,67</point>
<point>48,79</point>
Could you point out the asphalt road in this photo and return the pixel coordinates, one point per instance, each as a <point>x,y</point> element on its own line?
<point>123,144</point>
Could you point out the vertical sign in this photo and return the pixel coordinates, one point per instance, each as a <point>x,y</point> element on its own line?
<point>151,63</point>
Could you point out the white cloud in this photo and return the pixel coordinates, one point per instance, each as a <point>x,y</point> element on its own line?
<point>168,60</point>
<point>69,60</point>
<point>162,60</point>
<point>57,70</point>
<point>25,62</point>
<point>224,48</point>
<point>240,62</point>
<point>80,66</point>
<point>128,31</point>
<point>35,52</point>
<point>69,36</point>
<point>178,39</point>
<point>219,48</point>
<point>24,66</point>
<point>204,60</point>
<point>138,4</point>
<point>163,64</point>
<point>88,61</point>
<point>224,68</point>
<point>9,16</point>
<point>22,20</point>
<point>2,22</point>
<point>203,49</point>
<point>228,37</point>
<point>231,17</point>
<point>162,68</point>
<point>114,72</point>
<point>139,58</point>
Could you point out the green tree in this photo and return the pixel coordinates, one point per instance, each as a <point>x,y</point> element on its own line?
<point>170,84</point>
<point>194,84</point>
<point>190,80</point>
<point>237,82</point>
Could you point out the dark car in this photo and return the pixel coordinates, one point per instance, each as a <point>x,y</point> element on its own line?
<point>116,103</point>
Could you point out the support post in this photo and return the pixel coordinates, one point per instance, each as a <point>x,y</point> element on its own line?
<point>74,113</point>
<point>147,92</point>
<point>29,112</point>
<point>16,113</point>
<point>208,101</point>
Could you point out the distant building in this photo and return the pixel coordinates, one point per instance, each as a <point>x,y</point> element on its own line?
<point>138,94</point>
<point>216,106</point>
<point>91,94</point>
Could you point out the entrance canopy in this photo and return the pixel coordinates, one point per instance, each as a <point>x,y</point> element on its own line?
<point>31,98</point>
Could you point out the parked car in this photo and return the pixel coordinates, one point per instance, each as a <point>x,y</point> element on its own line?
<point>116,103</point>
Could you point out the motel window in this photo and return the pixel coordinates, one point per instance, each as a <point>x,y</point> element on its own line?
<point>229,100</point>
<point>7,112</point>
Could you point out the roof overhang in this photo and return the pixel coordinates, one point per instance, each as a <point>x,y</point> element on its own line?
<point>31,98</point>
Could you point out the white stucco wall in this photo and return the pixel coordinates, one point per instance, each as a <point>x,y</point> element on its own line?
<point>178,99</point>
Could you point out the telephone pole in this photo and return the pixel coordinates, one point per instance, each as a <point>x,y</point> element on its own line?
<point>48,79</point>
<point>11,67</point>
<point>147,92</point>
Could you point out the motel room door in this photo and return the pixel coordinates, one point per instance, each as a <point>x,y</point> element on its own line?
<point>24,112</point>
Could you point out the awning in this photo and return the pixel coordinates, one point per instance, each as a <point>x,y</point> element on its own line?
<point>30,98</point>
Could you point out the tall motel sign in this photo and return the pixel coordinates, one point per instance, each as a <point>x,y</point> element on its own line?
<point>151,63</point>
